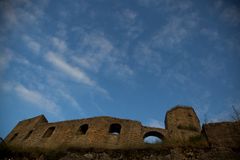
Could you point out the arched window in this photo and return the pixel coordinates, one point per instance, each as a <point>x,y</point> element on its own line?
<point>49,132</point>
<point>28,135</point>
<point>82,129</point>
<point>153,137</point>
<point>115,129</point>
<point>13,137</point>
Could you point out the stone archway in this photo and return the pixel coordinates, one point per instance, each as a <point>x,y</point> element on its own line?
<point>153,137</point>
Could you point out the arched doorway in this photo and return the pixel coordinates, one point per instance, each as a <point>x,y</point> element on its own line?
<point>153,137</point>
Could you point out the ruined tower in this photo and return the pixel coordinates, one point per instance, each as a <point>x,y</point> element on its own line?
<point>182,122</point>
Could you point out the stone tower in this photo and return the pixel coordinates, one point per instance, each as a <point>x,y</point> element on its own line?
<point>182,122</point>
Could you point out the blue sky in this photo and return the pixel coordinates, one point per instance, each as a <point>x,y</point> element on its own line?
<point>129,59</point>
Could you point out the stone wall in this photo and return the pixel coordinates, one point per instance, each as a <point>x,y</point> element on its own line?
<point>224,134</point>
<point>102,132</point>
<point>67,134</point>
<point>182,123</point>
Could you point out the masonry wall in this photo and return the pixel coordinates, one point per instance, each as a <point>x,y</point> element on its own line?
<point>20,131</point>
<point>66,134</point>
<point>31,133</point>
<point>224,134</point>
<point>182,123</point>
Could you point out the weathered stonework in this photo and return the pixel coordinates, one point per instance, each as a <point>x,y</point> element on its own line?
<point>224,134</point>
<point>100,132</point>
<point>181,123</point>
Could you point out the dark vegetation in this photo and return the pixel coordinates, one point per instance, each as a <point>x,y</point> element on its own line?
<point>192,150</point>
<point>189,127</point>
<point>187,153</point>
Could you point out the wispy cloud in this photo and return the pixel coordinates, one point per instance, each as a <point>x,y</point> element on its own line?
<point>231,15</point>
<point>147,58</point>
<point>165,45</point>
<point>210,33</point>
<point>155,123</point>
<point>22,61</point>
<point>5,58</point>
<point>175,31</point>
<point>46,81</point>
<point>15,16</point>
<point>129,22</point>
<point>167,5</point>
<point>218,4</point>
<point>122,70</point>
<point>98,54</point>
<point>37,99</point>
<point>131,15</point>
<point>74,72</point>
<point>59,44</point>
<point>229,12</point>
<point>212,66</point>
<point>96,49</point>
<point>70,99</point>
<point>32,44</point>
<point>8,13</point>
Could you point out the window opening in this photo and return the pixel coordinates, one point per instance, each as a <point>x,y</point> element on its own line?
<point>13,137</point>
<point>29,134</point>
<point>83,129</point>
<point>115,129</point>
<point>49,132</point>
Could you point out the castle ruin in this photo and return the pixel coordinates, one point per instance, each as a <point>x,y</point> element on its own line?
<point>105,132</point>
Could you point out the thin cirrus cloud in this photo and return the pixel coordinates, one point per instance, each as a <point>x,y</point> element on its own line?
<point>32,44</point>
<point>128,21</point>
<point>100,54</point>
<point>37,99</point>
<point>167,5</point>
<point>75,72</point>
<point>231,15</point>
<point>70,99</point>
<point>176,31</point>
<point>41,87</point>
<point>98,50</point>
<point>59,44</point>
<point>155,123</point>
<point>4,60</point>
